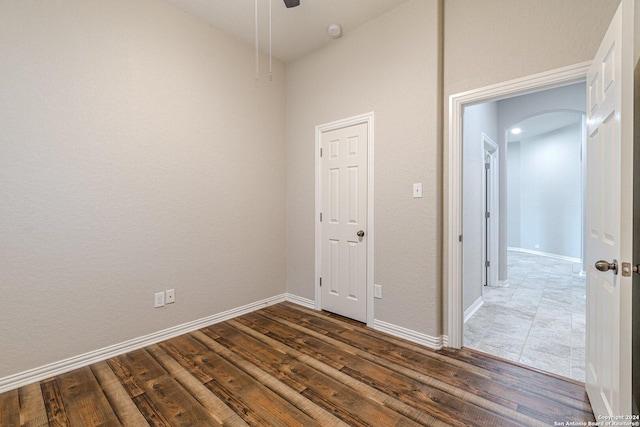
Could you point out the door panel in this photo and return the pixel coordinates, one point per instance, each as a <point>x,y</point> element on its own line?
<point>608,223</point>
<point>344,197</point>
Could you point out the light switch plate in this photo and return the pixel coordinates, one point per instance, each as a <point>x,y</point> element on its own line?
<point>417,190</point>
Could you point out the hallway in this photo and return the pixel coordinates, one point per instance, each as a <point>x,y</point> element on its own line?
<point>539,320</point>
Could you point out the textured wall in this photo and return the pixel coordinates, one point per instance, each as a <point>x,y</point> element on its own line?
<point>550,177</point>
<point>137,154</point>
<point>388,66</point>
<point>494,41</point>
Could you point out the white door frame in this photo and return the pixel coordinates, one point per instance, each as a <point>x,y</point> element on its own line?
<point>493,236</point>
<point>453,263</point>
<point>367,118</point>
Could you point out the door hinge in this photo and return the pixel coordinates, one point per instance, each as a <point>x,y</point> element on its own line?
<point>487,264</point>
<point>487,215</point>
<point>460,238</point>
<point>320,216</point>
<point>321,282</point>
<point>487,166</point>
<point>320,151</point>
<point>628,269</point>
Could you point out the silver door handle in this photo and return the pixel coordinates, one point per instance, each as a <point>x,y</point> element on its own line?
<point>606,266</point>
<point>360,233</point>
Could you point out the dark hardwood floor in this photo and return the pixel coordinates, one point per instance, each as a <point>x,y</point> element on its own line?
<point>286,365</point>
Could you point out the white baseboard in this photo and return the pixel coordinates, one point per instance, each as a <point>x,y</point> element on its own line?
<point>472,309</point>
<point>308,303</point>
<point>546,254</point>
<point>56,368</point>
<point>435,343</point>
<point>445,340</point>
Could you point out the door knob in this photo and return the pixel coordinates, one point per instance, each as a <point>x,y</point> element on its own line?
<point>360,233</point>
<point>606,266</point>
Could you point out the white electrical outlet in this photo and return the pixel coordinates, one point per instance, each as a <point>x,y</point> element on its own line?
<point>159,299</point>
<point>377,291</point>
<point>171,296</point>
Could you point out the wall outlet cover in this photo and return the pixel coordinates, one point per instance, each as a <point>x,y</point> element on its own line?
<point>377,291</point>
<point>170,296</point>
<point>159,299</point>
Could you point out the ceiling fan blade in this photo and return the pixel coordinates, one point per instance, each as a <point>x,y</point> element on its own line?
<point>292,3</point>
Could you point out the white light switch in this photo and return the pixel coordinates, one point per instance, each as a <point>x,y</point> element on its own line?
<point>417,189</point>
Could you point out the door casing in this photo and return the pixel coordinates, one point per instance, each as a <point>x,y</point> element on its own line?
<point>367,118</point>
<point>490,228</point>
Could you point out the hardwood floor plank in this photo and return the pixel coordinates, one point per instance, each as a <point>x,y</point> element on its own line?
<point>180,408</point>
<point>254,402</point>
<point>10,408</point>
<point>150,411</point>
<point>171,400</point>
<point>84,400</point>
<point>308,407</point>
<point>440,374</point>
<point>375,397</point>
<point>32,410</point>
<point>563,390</point>
<point>127,412</point>
<point>437,398</point>
<point>56,412</point>
<point>127,369</point>
<point>287,365</point>
<point>216,408</point>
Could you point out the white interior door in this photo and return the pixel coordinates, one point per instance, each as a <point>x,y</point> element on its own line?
<point>609,220</point>
<point>344,221</point>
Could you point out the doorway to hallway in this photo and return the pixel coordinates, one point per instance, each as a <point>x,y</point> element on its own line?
<point>533,312</point>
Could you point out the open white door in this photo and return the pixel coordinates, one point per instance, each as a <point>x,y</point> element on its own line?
<point>609,218</point>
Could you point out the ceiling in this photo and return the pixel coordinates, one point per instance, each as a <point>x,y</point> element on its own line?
<point>296,31</point>
<point>543,123</point>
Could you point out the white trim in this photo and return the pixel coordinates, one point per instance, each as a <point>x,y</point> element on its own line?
<point>546,254</point>
<point>503,283</point>
<point>304,302</point>
<point>367,118</point>
<point>457,102</point>
<point>491,273</point>
<point>429,341</point>
<point>469,312</point>
<point>56,368</point>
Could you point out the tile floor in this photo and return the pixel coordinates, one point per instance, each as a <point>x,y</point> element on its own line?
<point>538,320</point>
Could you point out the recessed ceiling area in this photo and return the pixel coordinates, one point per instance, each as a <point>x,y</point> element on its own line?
<point>543,123</point>
<point>295,31</point>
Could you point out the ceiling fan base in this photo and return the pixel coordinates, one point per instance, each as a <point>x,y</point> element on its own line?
<point>291,3</point>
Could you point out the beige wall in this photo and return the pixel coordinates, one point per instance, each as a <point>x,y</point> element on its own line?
<point>388,66</point>
<point>493,41</point>
<point>137,154</point>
